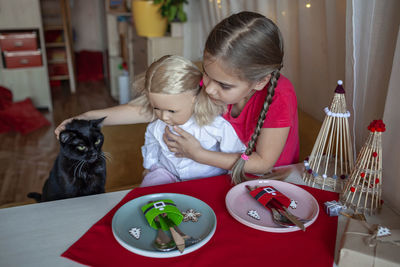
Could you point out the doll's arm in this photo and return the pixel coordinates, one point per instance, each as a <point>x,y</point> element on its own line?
<point>121,114</point>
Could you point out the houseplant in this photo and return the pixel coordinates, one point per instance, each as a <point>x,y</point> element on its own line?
<point>175,14</point>
<point>172,10</point>
<point>151,17</point>
<point>147,18</point>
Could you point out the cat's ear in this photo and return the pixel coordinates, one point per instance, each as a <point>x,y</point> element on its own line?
<point>65,136</point>
<point>97,123</point>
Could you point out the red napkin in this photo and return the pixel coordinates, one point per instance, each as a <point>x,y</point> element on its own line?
<point>233,243</point>
<point>265,194</point>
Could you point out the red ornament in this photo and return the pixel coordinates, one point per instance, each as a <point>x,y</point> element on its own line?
<point>352,189</point>
<point>362,175</point>
<point>377,125</point>
<point>377,181</point>
<point>374,154</point>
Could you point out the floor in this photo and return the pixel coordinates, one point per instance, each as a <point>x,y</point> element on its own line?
<point>26,160</point>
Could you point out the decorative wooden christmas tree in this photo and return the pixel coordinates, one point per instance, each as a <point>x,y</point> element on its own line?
<point>331,159</point>
<point>363,190</point>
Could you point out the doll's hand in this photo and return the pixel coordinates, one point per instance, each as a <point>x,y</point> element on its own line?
<point>184,145</point>
<point>61,127</point>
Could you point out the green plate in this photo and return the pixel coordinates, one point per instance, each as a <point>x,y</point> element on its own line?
<point>131,216</point>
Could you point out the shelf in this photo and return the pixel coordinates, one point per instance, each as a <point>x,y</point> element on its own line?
<point>59,77</point>
<point>115,13</point>
<point>53,27</point>
<point>55,44</point>
<point>57,61</point>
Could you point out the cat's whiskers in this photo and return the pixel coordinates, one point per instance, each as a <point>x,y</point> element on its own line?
<point>106,156</point>
<point>77,166</point>
<point>80,169</point>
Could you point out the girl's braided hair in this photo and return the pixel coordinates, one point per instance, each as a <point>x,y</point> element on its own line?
<point>252,47</point>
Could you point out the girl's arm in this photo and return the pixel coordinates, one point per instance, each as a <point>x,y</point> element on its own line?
<point>122,114</point>
<point>270,144</point>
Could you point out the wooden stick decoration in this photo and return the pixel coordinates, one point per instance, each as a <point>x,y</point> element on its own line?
<point>331,159</point>
<point>363,189</point>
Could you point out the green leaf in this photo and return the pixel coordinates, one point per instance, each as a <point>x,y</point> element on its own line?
<point>172,13</point>
<point>182,16</point>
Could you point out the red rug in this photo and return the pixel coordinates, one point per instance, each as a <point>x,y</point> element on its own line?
<point>20,116</point>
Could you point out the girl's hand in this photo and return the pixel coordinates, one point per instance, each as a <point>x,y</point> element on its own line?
<point>183,145</point>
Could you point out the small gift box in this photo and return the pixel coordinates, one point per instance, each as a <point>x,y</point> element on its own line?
<point>167,206</point>
<point>333,208</point>
<point>365,245</point>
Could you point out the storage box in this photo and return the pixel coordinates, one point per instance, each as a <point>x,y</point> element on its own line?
<point>18,41</point>
<point>56,54</point>
<point>22,59</point>
<point>58,69</point>
<point>361,248</point>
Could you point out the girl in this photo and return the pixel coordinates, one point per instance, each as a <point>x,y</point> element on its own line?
<point>242,62</point>
<point>171,92</point>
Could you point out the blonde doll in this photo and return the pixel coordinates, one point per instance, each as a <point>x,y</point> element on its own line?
<point>171,91</point>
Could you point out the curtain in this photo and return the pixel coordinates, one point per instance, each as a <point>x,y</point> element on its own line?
<point>355,40</point>
<point>314,39</point>
<point>372,70</point>
<point>391,146</point>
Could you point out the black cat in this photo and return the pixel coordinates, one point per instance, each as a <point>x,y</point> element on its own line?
<point>80,167</point>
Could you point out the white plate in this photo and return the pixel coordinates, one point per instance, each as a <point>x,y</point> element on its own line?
<point>239,202</point>
<point>131,216</point>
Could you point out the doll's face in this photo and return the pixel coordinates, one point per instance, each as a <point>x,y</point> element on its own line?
<point>173,109</point>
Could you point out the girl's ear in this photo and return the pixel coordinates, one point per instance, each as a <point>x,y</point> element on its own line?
<point>262,83</point>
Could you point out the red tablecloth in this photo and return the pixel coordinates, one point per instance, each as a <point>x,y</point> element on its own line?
<point>233,243</point>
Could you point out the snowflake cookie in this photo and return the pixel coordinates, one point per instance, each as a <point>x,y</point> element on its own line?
<point>383,231</point>
<point>254,214</point>
<point>191,215</point>
<point>293,204</point>
<point>135,232</point>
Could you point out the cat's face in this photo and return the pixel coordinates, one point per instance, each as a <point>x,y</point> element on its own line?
<point>82,140</point>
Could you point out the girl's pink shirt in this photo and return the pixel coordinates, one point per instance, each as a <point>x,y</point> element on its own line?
<point>281,113</point>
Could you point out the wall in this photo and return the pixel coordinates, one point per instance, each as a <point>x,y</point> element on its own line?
<point>88,22</point>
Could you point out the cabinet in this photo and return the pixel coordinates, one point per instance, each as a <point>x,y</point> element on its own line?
<point>142,51</point>
<point>32,82</point>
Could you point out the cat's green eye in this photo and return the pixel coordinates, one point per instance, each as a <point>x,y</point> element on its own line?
<point>97,142</point>
<point>81,148</point>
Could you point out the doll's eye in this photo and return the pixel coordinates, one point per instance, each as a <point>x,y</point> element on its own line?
<point>81,148</point>
<point>97,142</point>
<point>171,111</point>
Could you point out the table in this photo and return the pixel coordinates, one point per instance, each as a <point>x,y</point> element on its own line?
<point>37,234</point>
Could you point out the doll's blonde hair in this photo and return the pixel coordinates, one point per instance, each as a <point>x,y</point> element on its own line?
<point>175,75</point>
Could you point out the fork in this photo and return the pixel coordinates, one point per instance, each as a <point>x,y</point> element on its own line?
<point>188,239</point>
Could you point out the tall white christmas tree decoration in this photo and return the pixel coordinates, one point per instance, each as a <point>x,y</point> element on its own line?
<point>331,159</point>
<point>363,190</point>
